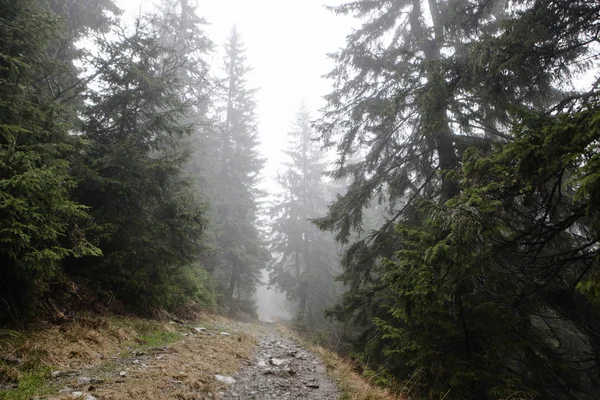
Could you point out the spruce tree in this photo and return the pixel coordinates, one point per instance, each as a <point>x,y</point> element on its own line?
<point>182,31</point>
<point>417,86</point>
<point>80,19</point>
<point>148,220</point>
<point>40,224</point>
<point>304,257</point>
<point>240,254</point>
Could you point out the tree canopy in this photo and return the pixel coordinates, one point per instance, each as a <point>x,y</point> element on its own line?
<point>461,291</point>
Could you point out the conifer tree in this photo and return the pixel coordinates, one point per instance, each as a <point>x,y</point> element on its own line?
<point>240,254</point>
<point>80,19</point>
<point>182,31</point>
<point>417,85</point>
<point>40,224</point>
<point>149,222</point>
<point>305,257</point>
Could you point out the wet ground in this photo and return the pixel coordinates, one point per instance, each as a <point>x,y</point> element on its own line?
<point>281,369</point>
<point>199,365</point>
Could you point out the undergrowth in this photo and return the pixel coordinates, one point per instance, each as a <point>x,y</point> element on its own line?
<point>27,358</point>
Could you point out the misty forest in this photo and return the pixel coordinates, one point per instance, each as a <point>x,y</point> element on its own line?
<point>435,222</point>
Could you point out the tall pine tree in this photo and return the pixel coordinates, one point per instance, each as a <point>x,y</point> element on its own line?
<point>417,85</point>
<point>304,257</point>
<point>240,254</point>
<point>149,222</point>
<point>40,224</point>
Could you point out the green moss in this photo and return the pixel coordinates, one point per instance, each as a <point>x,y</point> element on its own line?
<point>158,339</point>
<point>31,383</point>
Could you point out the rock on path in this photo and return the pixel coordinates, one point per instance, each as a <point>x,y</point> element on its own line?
<point>281,369</point>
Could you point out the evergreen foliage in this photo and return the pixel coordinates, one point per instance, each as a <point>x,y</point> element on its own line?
<point>79,20</point>
<point>495,281</point>
<point>304,257</point>
<point>470,221</point>
<point>40,224</point>
<point>442,291</point>
<point>181,31</point>
<point>148,220</point>
<point>95,153</point>
<point>240,254</point>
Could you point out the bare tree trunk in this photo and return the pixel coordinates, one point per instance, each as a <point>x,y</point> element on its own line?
<point>232,283</point>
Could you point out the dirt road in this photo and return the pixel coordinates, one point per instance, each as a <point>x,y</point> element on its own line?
<point>280,369</point>
<point>220,359</point>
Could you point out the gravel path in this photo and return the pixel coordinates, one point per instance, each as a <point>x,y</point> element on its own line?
<point>281,369</point>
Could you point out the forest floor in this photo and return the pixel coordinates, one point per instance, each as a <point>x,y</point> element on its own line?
<point>113,358</point>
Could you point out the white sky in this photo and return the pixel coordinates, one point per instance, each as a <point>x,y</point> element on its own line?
<point>286,44</point>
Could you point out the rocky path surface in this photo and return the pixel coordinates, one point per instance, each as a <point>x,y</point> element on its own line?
<point>281,369</point>
<point>179,361</point>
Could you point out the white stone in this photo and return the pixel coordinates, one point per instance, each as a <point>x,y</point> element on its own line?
<point>84,380</point>
<point>58,374</point>
<point>279,362</point>
<point>228,380</point>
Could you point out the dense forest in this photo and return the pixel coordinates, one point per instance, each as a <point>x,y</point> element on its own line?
<point>437,221</point>
<point>128,173</point>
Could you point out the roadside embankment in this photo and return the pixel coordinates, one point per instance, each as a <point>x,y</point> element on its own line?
<point>96,357</point>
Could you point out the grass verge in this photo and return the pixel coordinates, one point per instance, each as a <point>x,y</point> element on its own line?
<point>158,339</point>
<point>30,384</point>
<point>133,358</point>
<point>352,385</point>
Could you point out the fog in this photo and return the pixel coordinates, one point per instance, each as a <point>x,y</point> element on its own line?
<point>286,46</point>
<point>271,304</point>
<point>429,209</point>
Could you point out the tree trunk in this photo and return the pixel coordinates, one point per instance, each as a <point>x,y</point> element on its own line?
<point>232,283</point>
<point>303,296</point>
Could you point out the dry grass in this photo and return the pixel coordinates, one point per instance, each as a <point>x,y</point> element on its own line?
<point>176,363</point>
<point>352,385</point>
<point>84,341</point>
<point>185,371</point>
